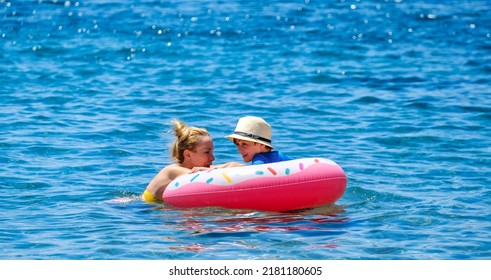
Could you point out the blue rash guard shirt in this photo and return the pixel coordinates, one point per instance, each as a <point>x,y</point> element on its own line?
<point>269,157</point>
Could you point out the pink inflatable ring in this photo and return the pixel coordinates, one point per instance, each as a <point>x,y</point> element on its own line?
<point>281,186</point>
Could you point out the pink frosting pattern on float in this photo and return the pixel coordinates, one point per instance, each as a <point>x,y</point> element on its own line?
<point>282,186</point>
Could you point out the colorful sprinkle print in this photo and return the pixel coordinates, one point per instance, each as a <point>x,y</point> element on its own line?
<point>227,178</point>
<point>192,179</point>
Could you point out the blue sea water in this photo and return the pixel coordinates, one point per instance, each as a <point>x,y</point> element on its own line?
<point>397,92</point>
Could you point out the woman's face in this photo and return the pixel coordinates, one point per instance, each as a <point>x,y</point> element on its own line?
<point>203,154</point>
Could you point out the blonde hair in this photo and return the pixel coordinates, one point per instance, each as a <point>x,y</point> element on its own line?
<point>187,137</point>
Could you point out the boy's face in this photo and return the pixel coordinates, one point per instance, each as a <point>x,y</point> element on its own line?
<point>248,149</point>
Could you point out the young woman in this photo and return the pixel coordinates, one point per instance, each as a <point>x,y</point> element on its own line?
<point>192,151</point>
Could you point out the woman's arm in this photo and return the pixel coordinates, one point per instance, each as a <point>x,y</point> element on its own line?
<point>225,165</point>
<point>228,164</point>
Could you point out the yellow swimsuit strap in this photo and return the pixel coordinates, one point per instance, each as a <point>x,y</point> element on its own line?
<point>149,197</point>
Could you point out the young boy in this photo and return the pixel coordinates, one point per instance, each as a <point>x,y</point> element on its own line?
<point>252,136</point>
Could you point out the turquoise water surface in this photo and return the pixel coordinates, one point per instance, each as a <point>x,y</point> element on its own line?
<point>396,92</point>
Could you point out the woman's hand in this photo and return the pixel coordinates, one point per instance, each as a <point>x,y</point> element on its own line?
<point>197,169</point>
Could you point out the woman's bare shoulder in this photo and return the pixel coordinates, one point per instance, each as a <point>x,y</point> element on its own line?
<point>176,170</point>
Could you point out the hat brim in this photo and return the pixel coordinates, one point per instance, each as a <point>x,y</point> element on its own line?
<point>235,136</point>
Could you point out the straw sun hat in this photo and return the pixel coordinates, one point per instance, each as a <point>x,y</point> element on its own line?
<point>253,129</point>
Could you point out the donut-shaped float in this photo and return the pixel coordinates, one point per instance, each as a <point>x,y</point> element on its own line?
<point>281,186</point>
